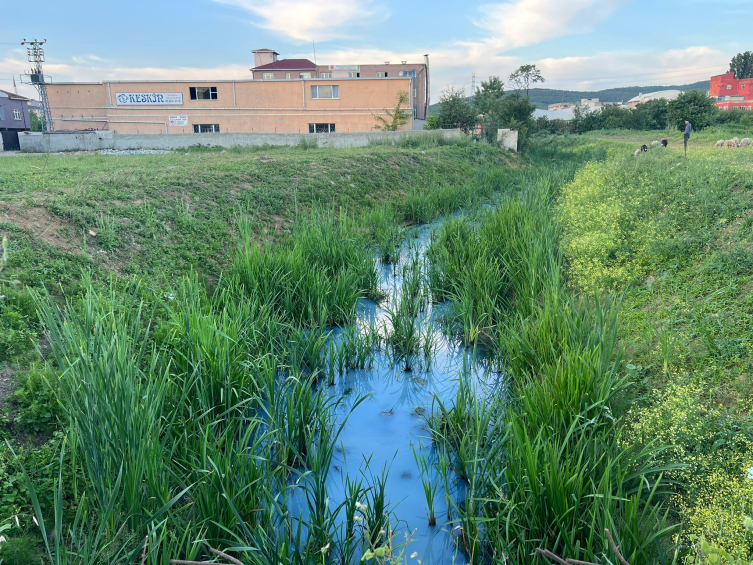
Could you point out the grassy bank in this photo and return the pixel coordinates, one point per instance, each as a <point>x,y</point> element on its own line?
<point>675,236</point>
<point>183,305</point>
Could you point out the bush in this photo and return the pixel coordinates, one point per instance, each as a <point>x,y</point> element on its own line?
<point>694,106</point>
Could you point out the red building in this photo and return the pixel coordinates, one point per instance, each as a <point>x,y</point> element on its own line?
<point>731,93</point>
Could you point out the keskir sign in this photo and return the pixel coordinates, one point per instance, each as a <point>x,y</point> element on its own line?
<point>149,98</point>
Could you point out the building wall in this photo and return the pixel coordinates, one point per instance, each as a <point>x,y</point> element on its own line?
<point>418,91</point>
<point>7,121</point>
<point>724,86</point>
<point>283,106</point>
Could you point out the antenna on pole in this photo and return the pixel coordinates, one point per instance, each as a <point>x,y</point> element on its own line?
<point>35,55</point>
<point>314,46</point>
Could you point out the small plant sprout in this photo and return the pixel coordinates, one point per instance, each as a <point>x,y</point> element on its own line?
<point>427,480</point>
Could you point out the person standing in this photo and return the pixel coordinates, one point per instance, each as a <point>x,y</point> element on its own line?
<point>686,135</point>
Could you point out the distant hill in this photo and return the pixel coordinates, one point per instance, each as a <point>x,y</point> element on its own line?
<point>542,97</point>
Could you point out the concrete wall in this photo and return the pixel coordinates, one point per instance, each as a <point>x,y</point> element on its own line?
<point>507,139</point>
<point>33,142</point>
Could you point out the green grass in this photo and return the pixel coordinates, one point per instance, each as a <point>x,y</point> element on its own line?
<point>675,236</point>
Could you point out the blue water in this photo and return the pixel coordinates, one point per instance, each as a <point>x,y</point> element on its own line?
<point>382,428</point>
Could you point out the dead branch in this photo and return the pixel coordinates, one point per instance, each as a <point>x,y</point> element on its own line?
<point>551,556</point>
<point>217,552</point>
<point>143,553</point>
<point>614,548</point>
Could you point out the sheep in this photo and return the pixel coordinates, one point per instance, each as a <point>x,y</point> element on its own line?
<point>644,147</point>
<point>745,142</point>
<point>655,144</point>
<point>719,144</point>
<point>730,143</point>
<point>737,141</point>
<point>637,152</point>
<point>665,142</point>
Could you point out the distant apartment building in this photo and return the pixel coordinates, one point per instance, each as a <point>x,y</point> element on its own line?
<point>590,104</point>
<point>268,66</point>
<point>300,105</point>
<point>14,112</point>
<point>14,117</point>
<point>730,93</point>
<point>661,94</point>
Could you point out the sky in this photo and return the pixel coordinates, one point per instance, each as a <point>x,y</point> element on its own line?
<point>577,44</point>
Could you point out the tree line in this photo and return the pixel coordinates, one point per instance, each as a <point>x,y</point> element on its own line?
<point>491,108</point>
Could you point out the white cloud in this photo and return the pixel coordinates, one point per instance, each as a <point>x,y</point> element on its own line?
<point>527,22</point>
<point>306,20</point>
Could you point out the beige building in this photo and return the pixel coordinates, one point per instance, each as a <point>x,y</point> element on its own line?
<point>295,105</point>
<point>267,66</point>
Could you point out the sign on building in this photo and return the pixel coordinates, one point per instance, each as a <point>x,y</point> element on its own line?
<point>344,68</point>
<point>178,120</point>
<point>149,98</point>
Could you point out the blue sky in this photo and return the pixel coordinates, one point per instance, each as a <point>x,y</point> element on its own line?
<point>578,44</point>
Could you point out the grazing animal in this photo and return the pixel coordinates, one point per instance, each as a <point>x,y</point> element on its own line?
<point>745,142</point>
<point>737,141</point>
<point>644,147</point>
<point>719,144</point>
<point>730,143</point>
<point>664,142</point>
<point>655,144</point>
<point>637,152</point>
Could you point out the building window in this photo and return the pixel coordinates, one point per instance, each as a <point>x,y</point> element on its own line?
<point>729,87</point>
<point>408,73</point>
<point>206,128</point>
<point>354,74</point>
<point>16,114</point>
<point>325,75</point>
<point>381,74</point>
<point>287,76</point>
<point>319,92</point>
<point>203,92</point>
<point>268,76</point>
<point>304,75</point>
<point>321,128</point>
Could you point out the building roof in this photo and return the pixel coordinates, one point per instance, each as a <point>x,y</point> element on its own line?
<point>12,96</point>
<point>669,94</point>
<point>287,65</point>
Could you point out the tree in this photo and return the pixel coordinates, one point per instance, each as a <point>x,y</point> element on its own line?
<point>455,111</point>
<point>488,101</point>
<point>396,117</point>
<point>694,106</point>
<point>742,65</point>
<point>516,113</point>
<point>37,120</point>
<point>524,77</point>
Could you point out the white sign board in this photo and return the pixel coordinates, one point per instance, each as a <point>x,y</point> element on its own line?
<point>344,67</point>
<point>149,98</point>
<point>178,120</point>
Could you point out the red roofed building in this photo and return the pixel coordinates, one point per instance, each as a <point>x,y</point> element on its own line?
<point>731,93</point>
<point>267,66</point>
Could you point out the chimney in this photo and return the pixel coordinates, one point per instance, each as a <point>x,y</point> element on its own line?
<point>264,56</point>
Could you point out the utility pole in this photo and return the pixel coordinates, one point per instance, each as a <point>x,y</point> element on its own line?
<point>35,55</point>
<point>473,83</point>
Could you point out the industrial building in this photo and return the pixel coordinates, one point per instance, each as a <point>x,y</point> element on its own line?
<point>282,96</point>
<point>270,106</point>
<point>731,93</point>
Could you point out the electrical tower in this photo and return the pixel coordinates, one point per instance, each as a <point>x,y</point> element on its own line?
<point>35,54</point>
